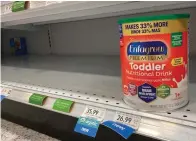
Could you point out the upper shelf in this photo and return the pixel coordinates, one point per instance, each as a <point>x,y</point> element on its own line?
<point>80,10</point>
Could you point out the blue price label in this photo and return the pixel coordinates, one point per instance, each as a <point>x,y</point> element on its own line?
<point>2,97</point>
<point>87,126</point>
<point>4,93</point>
<point>122,129</point>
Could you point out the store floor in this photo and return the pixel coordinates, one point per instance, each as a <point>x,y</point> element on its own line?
<point>14,132</point>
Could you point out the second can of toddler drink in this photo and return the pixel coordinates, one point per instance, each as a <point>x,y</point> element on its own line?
<point>154,61</point>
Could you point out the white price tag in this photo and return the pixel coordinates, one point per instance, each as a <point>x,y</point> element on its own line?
<point>94,112</point>
<point>7,8</point>
<point>37,4</point>
<point>50,2</point>
<point>5,91</point>
<point>128,119</point>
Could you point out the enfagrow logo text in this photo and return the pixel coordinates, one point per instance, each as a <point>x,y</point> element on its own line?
<point>151,50</point>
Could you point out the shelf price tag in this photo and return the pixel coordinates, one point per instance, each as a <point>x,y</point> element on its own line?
<point>2,97</point>
<point>52,2</point>
<point>123,124</point>
<point>122,129</point>
<point>89,121</point>
<point>4,92</point>
<point>87,126</point>
<point>94,112</point>
<point>7,8</point>
<point>128,119</point>
<point>18,6</point>
<point>37,99</point>
<point>63,105</point>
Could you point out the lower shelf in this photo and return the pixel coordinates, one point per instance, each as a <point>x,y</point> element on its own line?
<point>94,80</point>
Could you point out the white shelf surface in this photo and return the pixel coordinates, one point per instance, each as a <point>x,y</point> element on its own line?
<point>95,81</point>
<point>72,11</point>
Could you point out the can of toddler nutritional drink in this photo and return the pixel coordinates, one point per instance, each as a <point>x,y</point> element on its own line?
<point>154,61</point>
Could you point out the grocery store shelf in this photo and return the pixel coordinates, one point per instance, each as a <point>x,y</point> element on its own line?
<point>95,81</point>
<point>55,124</point>
<point>72,11</point>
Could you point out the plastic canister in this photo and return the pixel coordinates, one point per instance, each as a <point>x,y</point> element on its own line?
<point>154,61</point>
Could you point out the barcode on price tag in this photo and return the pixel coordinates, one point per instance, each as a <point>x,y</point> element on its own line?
<point>94,112</point>
<point>5,91</point>
<point>128,119</point>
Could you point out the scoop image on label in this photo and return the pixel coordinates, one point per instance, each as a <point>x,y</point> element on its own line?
<point>154,60</point>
